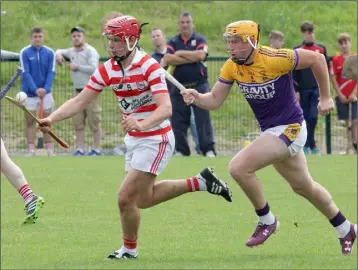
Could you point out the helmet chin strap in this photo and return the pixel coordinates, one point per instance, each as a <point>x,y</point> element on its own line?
<point>119,60</point>
<point>241,61</point>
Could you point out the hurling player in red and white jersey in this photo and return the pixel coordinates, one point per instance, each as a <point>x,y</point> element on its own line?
<point>139,85</point>
<point>346,88</point>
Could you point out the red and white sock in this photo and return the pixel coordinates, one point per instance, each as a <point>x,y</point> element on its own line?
<point>130,244</point>
<point>196,184</point>
<point>26,192</point>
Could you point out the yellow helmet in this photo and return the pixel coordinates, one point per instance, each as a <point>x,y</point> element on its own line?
<point>244,29</point>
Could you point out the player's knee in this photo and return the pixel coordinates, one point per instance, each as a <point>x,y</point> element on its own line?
<point>237,170</point>
<point>144,203</point>
<point>5,161</point>
<point>304,188</point>
<point>125,201</point>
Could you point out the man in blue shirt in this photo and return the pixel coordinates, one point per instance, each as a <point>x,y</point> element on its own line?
<point>188,51</point>
<point>38,72</point>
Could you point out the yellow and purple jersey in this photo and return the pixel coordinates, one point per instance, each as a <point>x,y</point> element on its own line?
<point>267,85</point>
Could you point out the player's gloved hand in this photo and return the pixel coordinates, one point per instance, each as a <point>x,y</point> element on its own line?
<point>128,123</point>
<point>325,106</point>
<point>189,95</point>
<point>45,125</point>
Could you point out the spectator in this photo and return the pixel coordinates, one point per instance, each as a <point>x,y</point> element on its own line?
<point>188,52</point>
<point>158,39</point>
<point>159,42</point>
<point>307,88</point>
<point>276,39</point>
<point>84,60</point>
<point>346,89</point>
<point>7,55</point>
<point>38,72</point>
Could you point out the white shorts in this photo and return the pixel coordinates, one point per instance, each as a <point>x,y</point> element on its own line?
<point>33,103</point>
<point>294,135</point>
<point>149,154</point>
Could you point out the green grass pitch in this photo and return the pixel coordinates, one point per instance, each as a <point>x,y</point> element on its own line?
<point>79,224</point>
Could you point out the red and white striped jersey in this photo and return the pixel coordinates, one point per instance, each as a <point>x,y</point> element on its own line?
<point>143,79</point>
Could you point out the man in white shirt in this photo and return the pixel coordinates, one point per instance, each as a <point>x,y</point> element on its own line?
<point>84,60</point>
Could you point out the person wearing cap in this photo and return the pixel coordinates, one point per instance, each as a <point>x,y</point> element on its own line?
<point>84,59</point>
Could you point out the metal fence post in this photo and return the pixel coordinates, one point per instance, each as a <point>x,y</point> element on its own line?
<point>328,134</point>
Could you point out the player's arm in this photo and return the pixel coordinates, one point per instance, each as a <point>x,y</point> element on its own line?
<point>50,71</point>
<point>25,66</point>
<point>214,99</point>
<point>161,113</point>
<point>74,105</point>
<point>158,87</point>
<point>333,79</point>
<point>219,93</point>
<point>91,91</point>
<point>317,63</point>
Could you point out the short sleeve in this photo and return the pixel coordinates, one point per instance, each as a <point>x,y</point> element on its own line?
<point>332,67</point>
<point>154,75</point>
<point>284,61</point>
<point>226,74</point>
<point>170,46</point>
<point>202,44</point>
<point>99,79</point>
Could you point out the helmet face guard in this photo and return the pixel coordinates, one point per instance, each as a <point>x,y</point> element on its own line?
<point>243,31</point>
<point>118,54</point>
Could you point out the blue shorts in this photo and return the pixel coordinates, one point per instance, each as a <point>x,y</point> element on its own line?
<point>342,110</point>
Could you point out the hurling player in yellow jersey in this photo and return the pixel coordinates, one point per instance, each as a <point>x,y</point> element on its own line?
<point>263,75</point>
